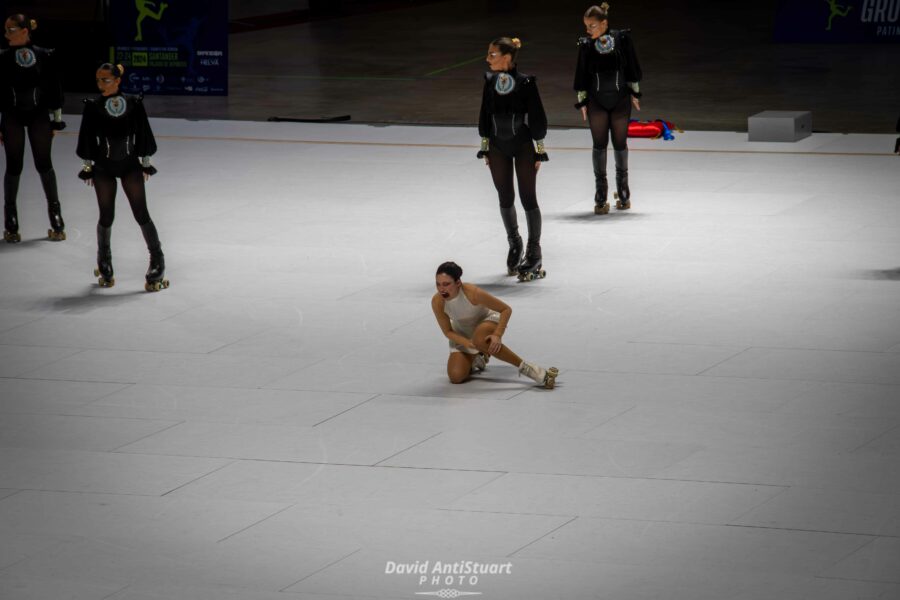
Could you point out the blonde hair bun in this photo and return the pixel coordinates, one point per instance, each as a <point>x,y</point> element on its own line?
<point>605,7</point>
<point>517,43</point>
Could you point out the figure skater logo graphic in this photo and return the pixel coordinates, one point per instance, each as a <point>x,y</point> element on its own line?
<point>836,11</point>
<point>145,9</point>
<point>25,58</point>
<point>505,84</point>
<point>116,106</point>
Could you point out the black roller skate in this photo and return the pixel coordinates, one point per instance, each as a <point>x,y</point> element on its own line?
<point>623,194</point>
<point>154,277</point>
<point>104,270</point>
<point>510,222</point>
<point>57,231</point>
<point>531,267</point>
<point>601,206</point>
<point>10,214</point>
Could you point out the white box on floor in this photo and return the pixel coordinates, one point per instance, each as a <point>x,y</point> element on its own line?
<point>779,126</point>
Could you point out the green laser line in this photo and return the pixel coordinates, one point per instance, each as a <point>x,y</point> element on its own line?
<point>322,77</point>
<point>462,64</point>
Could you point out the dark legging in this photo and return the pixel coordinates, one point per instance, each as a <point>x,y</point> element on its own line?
<point>40,135</point>
<point>604,121</point>
<point>526,175</point>
<point>133,184</point>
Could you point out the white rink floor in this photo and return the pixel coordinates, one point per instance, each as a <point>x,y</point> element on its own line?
<point>278,424</point>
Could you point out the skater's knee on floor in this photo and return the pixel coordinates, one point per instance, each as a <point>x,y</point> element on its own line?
<point>458,377</point>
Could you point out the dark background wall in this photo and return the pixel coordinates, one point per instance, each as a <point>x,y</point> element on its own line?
<point>707,65</point>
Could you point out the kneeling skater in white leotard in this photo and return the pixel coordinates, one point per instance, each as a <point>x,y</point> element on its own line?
<point>474,321</point>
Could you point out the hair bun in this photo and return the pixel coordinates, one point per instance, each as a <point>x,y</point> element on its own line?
<point>605,7</point>
<point>121,69</point>
<point>517,43</point>
<point>33,24</point>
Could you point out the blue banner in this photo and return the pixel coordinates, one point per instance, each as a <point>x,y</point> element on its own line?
<point>824,21</point>
<point>172,46</point>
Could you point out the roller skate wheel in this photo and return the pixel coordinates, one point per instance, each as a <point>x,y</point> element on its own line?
<point>601,209</point>
<point>616,195</point>
<point>106,282</point>
<point>165,284</point>
<point>510,271</point>
<point>542,273</point>
<point>56,236</point>
<point>12,238</point>
<point>550,379</point>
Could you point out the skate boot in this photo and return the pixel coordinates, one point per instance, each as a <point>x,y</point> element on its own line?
<point>510,222</point>
<point>541,376</point>
<point>531,266</point>
<point>480,362</point>
<point>601,206</point>
<point>104,270</point>
<point>623,194</point>
<point>57,231</point>
<point>10,214</point>
<point>156,270</point>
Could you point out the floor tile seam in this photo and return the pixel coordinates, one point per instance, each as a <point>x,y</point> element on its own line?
<point>885,433</point>
<point>586,148</point>
<point>149,435</point>
<point>355,406</point>
<point>199,477</point>
<point>894,583</point>
<point>701,372</point>
<point>252,525</point>
<point>462,495</point>
<point>317,571</point>
<point>80,349</point>
<point>429,438</point>
<point>4,332</point>
<point>536,540</point>
<point>730,524</point>
<point>89,493</point>
<point>68,415</point>
<point>392,392</point>
<point>855,551</point>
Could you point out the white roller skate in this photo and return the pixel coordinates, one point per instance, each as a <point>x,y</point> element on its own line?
<point>541,376</point>
<point>479,362</point>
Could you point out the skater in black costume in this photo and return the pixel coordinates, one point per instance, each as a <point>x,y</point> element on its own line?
<point>116,142</point>
<point>607,82</point>
<point>512,126</point>
<point>31,101</point>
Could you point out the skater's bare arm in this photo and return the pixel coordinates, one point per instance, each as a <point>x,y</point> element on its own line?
<point>478,296</point>
<point>437,305</point>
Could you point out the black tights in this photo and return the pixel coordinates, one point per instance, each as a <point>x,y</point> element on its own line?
<point>526,175</point>
<point>40,135</point>
<point>604,121</point>
<point>133,184</point>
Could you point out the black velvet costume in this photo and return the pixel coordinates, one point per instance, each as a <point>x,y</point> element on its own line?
<point>30,89</point>
<point>511,121</point>
<point>607,75</point>
<point>115,141</point>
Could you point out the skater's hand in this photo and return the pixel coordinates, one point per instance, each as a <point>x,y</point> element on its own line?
<point>584,113</point>
<point>487,161</point>
<point>495,342</point>
<point>146,176</point>
<point>537,166</point>
<point>636,103</point>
